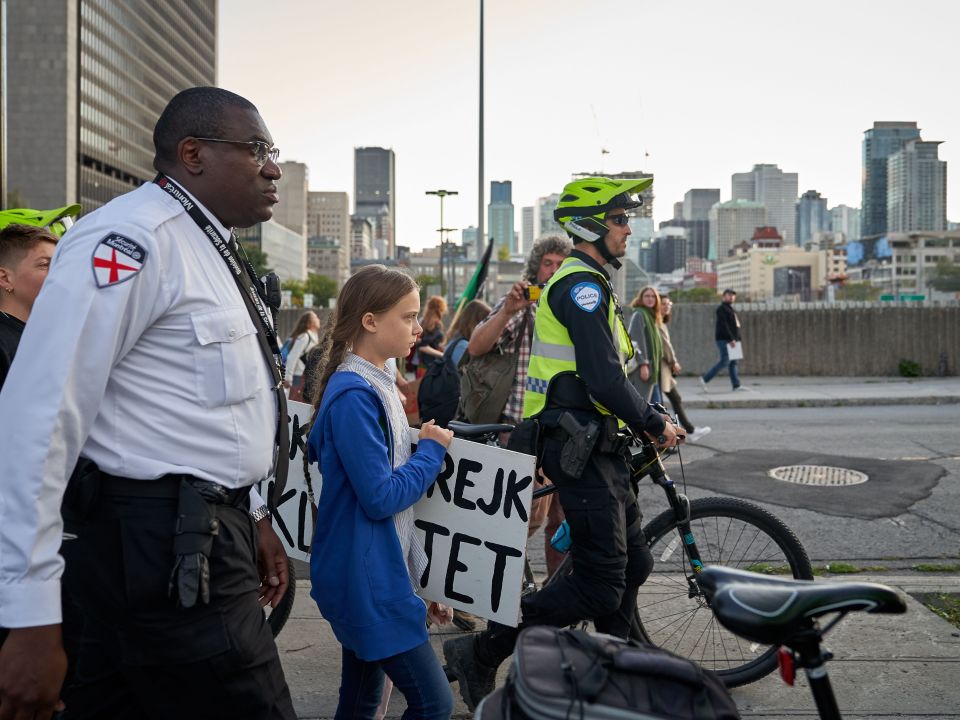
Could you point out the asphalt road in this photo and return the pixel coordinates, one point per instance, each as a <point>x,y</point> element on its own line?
<point>923,441</point>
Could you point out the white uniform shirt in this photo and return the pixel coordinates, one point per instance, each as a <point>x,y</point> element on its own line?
<point>158,373</point>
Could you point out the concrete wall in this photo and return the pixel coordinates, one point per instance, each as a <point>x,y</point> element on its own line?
<point>849,341</point>
<point>842,342</point>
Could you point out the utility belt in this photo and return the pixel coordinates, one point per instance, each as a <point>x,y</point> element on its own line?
<point>569,416</point>
<point>194,528</point>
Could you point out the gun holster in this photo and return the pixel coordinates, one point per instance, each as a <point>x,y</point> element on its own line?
<point>579,445</point>
<point>196,527</point>
<point>83,491</point>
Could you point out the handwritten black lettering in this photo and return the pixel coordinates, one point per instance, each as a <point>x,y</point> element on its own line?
<point>463,482</point>
<point>496,586</point>
<point>430,529</point>
<point>511,497</point>
<point>441,482</point>
<point>303,542</point>
<point>490,508</point>
<point>455,566</point>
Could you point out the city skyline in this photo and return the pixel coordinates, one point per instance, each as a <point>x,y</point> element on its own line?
<point>689,97</point>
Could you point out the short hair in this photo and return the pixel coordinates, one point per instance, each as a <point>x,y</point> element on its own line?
<point>195,112</point>
<point>546,245</point>
<point>17,240</point>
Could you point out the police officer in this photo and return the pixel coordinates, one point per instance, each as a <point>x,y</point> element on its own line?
<point>578,391</point>
<point>147,378</point>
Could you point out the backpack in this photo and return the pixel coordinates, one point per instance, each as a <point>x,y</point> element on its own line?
<point>439,393</point>
<point>487,380</point>
<point>560,673</point>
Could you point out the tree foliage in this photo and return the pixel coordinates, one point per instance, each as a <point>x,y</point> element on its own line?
<point>695,295</point>
<point>946,276</point>
<point>257,258</point>
<point>503,253</point>
<point>858,291</point>
<point>296,291</point>
<point>322,287</point>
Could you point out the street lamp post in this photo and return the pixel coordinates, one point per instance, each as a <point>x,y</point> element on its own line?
<point>443,244</point>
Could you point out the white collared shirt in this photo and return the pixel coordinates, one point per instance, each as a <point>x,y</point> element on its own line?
<point>159,373</point>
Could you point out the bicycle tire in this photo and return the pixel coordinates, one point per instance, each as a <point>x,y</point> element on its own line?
<point>672,612</point>
<point>277,617</point>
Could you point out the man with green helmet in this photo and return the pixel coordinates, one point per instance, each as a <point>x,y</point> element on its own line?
<point>578,392</point>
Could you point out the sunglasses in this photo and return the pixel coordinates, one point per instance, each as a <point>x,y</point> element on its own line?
<point>618,219</point>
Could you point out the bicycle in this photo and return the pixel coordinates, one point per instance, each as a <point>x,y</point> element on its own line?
<point>786,613</point>
<point>672,610</point>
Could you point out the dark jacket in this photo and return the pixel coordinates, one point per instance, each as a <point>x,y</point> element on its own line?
<point>728,324</point>
<point>11,329</point>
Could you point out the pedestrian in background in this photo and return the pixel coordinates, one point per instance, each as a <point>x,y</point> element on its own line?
<point>669,368</point>
<point>644,332</point>
<point>305,337</point>
<point>150,379</point>
<point>726,335</point>
<point>25,254</point>
<point>366,558</point>
<point>430,343</point>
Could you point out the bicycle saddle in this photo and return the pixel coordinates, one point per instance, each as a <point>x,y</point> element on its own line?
<point>466,430</point>
<point>771,610</point>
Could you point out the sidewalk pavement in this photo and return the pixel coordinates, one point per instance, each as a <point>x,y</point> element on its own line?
<point>903,666</point>
<point>775,391</point>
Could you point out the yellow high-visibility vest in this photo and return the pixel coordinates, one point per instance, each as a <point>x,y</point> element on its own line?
<point>552,350</point>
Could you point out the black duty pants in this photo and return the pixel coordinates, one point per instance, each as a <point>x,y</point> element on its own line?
<point>139,655</point>
<point>610,555</point>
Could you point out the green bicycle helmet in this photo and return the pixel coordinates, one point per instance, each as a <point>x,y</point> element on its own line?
<point>57,220</point>
<point>584,203</point>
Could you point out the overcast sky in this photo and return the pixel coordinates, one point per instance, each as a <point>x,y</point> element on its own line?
<point>690,91</point>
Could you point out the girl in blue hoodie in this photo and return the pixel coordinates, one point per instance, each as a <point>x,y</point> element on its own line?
<point>366,557</point>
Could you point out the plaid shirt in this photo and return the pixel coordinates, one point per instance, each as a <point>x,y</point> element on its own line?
<point>513,410</point>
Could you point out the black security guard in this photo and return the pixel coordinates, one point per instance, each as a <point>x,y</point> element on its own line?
<point>153,374</point>
<point>578,397</point>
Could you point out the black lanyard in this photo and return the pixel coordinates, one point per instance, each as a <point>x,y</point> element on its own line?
<point>244,276</point>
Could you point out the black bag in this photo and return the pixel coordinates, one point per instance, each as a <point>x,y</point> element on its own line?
<point>560,673</point>
<point>439,392</point>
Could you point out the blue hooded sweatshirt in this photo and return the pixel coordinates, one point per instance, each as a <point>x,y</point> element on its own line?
<point>357,570</point>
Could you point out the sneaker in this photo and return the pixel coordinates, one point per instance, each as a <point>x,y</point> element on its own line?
<point>698,433</point>
<point>742,388</point>
<point>464,620</point>
<point>703,385</point>
<point>476,681</point>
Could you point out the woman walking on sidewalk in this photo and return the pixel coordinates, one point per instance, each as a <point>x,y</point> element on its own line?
<point>669,369</point>
<point>366,556</point>
<point>644,332</point>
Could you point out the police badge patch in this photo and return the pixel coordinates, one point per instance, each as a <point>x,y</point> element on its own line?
<point>586,295</point>
<point>117,258</point>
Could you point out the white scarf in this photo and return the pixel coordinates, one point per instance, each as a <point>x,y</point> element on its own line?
<point>385,386</point>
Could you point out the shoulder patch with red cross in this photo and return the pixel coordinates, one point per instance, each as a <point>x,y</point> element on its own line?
<point>117,258</point>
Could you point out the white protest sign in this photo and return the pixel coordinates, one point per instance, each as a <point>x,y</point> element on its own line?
<point>293,521</point>
<point>473,525</point>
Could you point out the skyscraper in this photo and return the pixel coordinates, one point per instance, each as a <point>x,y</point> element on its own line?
<point>544,222</point>
<point>329,234</point>
<point>374,192</point>
<point>775,190</point>
<point>916,188</point>
<point>880,142</point>
<point>812,216</point>
<point>293,186</point>
<point>500,215</point>
<point>732,223</point>
<point>87,83</point>
<point>846,220</point>
<point>698,201</point>
<point>526,225</point>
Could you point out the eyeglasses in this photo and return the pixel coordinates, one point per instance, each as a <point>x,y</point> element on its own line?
<point>618,219</point>
<point>261,150</point>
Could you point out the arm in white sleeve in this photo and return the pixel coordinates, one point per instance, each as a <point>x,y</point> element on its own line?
<point>76,334</point>
<point>293,357</point>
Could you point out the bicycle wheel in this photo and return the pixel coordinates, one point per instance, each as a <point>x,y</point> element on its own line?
<point>277,617</point>
<point>672,611</point>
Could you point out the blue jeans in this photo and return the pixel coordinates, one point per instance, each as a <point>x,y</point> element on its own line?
<point>723,362</point>
<point>416,673</point>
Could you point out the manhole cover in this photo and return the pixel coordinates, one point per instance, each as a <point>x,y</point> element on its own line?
<point>819,475</point>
